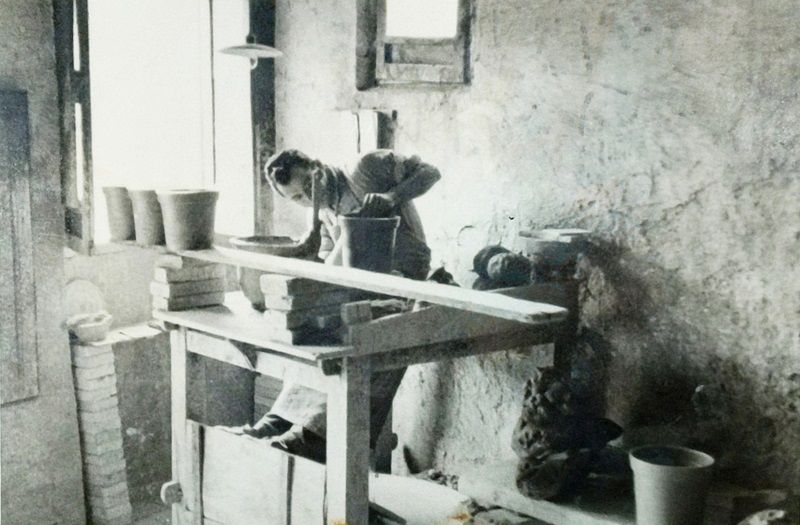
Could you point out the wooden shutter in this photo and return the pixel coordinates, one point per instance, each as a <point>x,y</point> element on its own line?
<point>18,356</point>
<point>76,133</point>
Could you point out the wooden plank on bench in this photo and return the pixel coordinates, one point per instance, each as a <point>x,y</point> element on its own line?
<point>471,300</point>
<point>238,321</point>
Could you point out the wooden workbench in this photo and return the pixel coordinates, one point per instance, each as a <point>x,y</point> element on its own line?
<point>235,334</point>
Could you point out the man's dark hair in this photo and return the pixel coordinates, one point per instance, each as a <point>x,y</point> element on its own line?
<point>279,167</point>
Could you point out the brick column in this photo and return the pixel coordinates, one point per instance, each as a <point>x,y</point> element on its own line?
<point>101,435</point>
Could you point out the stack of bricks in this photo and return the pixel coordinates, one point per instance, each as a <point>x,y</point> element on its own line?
<point>302,311</point>
<point>101,435</point>
<point>266,392</point>
<point>182,283</point>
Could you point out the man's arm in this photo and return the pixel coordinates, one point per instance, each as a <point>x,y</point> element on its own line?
<point>327,244</point>
<point>416,178</point>
<point>316,242</point>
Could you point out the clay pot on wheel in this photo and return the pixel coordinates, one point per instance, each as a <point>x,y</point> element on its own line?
<point>368,243</point>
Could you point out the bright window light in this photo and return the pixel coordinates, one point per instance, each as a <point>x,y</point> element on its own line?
<point>421,18</point>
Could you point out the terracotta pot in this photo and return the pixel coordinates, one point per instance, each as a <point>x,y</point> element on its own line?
<point>147,217</point>
<point>120,213</point>
<point>188,218</point>
<point>670,484</point>
<point>368,243</point>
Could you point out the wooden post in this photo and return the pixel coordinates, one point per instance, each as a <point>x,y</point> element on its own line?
<point>366,25</point>
<point>192,472</point>
<point>178,377</point>
<point>262,104</point>
<point>347,482</point>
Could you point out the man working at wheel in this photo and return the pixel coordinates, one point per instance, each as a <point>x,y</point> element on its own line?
<point>382,184</point>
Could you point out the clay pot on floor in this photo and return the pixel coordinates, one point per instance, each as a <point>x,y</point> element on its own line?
<point>188,218</point>
<point>120,213</point>
<point>670,484</point>
<point>147,219</point>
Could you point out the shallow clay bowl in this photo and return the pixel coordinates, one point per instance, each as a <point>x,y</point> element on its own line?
<point>269,244</point>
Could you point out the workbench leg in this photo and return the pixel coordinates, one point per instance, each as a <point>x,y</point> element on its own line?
<point>192,472</point>
<point>347,472</point>
<point>178,388</point>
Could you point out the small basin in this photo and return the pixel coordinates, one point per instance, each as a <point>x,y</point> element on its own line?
<point>250,279</point>
<point>269,244</point>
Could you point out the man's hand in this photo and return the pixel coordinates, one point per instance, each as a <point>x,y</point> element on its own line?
<point>378,205</point>
<point>310,243</point>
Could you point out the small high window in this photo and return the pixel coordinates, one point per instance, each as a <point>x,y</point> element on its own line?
<point>421,19</point>
<point>415,41</point>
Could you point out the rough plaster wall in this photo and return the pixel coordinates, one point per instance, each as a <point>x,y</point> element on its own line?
<point>123,275</point>
<point>41,471</point>
<point>672,131</point>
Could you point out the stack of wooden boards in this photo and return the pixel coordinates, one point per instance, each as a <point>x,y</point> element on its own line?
<point>181,283</point>
<point>299,311</point>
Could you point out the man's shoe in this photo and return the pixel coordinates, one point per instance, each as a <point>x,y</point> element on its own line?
<point>301,442</point>
<point>268,426</point>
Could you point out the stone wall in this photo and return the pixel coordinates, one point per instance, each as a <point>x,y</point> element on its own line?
<point>671,130</point>
<point>41,461</point>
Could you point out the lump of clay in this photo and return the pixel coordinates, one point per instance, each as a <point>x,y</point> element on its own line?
<point>509,269</point>
<point>558,445</point>
<point>480,262</point>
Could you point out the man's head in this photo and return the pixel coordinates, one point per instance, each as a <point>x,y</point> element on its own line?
<point>289,173</point>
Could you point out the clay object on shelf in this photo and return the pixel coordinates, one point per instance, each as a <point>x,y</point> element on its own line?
<point>509,269</point>
<point>147,218</point>
<point>89,328</point>
<point>120,213</point>
<point>480,262</point>
<point>188,218</point>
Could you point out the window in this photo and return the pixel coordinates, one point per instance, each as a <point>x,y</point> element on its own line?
<point>421,41</point>
<point>167,110</point>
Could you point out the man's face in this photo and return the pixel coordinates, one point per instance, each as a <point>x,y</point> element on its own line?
<point>299,188</point>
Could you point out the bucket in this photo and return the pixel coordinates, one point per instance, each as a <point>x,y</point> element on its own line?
<point>147,217</point>
<point>670,484</point>
<point>188,218</point>
<point>120,213</point>
<point>368,243</point>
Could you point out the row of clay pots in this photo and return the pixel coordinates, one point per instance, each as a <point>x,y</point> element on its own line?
<point>181,219</point>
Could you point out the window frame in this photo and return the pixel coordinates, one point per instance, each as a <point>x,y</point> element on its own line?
<point>409,60</point>
<point>74,88</point>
